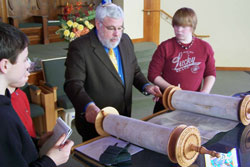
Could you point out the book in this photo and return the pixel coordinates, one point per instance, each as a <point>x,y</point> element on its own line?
<point>94,149</point>
<point>59,129</point>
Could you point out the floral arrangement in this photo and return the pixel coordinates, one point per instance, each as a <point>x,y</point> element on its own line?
<point>74,22</point>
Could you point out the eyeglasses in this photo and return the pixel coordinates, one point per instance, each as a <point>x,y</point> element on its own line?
<point>113,28</point>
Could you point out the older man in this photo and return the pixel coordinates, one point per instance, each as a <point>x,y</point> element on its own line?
<point>101,68</point>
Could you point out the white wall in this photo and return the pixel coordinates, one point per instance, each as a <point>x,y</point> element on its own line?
<point>133,21</point>
<point>226,21</point>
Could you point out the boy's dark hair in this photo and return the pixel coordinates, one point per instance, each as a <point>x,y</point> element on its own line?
<point>12,42</point>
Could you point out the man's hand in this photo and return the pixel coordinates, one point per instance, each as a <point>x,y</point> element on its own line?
<point>154,90</point>
<point>91,113</point>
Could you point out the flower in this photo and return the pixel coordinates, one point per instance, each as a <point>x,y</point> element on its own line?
<point>66,33</point>
<point>72,35</point>
<point>89,25</point>
<point>80,27</point>
<point>70,23</point>
<point>74,22</point>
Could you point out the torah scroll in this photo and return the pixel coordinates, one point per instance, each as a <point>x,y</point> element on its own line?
<point>210,113</point>
<point>181,143</point>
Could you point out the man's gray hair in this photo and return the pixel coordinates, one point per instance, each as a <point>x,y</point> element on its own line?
<point>108,10</point>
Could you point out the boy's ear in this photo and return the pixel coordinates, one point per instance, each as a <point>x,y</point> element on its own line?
<point>4,65</point>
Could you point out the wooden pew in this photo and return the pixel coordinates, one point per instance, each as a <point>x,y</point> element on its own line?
<point>30,16</point>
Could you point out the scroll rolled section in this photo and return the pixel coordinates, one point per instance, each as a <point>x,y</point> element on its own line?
<point>167,97</point>
<point>245,110</point>
<point>176,142</point>
<point>100,117</point>
<point>226,107</point>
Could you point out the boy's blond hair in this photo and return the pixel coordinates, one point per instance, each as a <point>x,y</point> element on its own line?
<point>185,17</point>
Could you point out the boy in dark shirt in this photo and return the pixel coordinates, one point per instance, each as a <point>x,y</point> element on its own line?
<point>16,146</point>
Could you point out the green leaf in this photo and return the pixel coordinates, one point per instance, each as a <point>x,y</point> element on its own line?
<point>91,17</point>
<point>64,23</point>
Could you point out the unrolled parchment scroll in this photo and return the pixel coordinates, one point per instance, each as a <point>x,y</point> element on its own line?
<point>210,113</point>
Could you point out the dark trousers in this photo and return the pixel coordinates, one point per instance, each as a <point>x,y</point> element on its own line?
<point>158,107</point>
<point>87,130</point>
<point>84,128</point>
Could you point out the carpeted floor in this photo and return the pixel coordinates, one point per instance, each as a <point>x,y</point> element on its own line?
<point>231,82</point>
<point>52,50</point>
<point>248,72</point>
<point>59,49</point>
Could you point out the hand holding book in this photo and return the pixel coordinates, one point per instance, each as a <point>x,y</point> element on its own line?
<point>60,128</point>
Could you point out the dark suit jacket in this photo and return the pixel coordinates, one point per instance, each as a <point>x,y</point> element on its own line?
<point>91,76</point>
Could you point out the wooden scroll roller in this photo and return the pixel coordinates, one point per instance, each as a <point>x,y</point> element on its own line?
<point>182,144</point>
<point>245,140</point>
<point>227,107</point>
